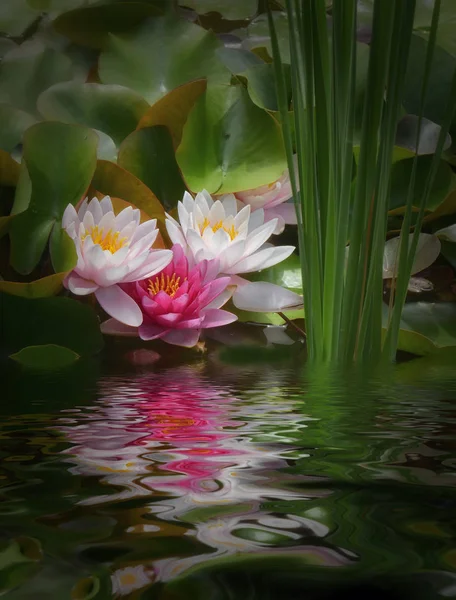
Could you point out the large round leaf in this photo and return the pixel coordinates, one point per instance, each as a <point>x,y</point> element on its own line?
<point>232,10</point>
<point>286,274</point>
<point>427,251</point>
<point>439,84</point>
<point>91,25</point>
<point>257,34</point>
<point>429,133</point>
<point>148,154</point>
<point>13,124</point>
<point>41,288</point>
<point>230,144</point>
<point>261,85</point>
<point>61,160</point>
<point>28,70</point>
<point>436,321</point>
<point>16,16</point>
<point>444,183</point>
<point>137,60</point>
<point>62,321</point>
<point>172,110</point>
<point>114,181</point>
<point>47,357</point>
<point>113,109</point>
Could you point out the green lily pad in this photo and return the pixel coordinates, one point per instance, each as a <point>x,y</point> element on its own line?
<point>13,124</point>
<point>61,160</point>
<point>92,25</point>
<point>444,183</point>
<point>41,288</point>
<point>16,16</point>
<point>137,61</point>
<point>61,321</point>
<point>436,321</point>
<point>234,10</point>
<point>28,70</point>
<point>6,45</point>
<point>256,35</point>
<point>261,85</point>
<point>238,60</point>
<point>148,154</point>
<point>112,109</point>
<point>439,84</point>
<point>47,357</point>
<point>229,144</point>
<point>172,110</point>
<point>112,180</point>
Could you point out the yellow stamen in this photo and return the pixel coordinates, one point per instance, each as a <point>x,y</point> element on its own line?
<point>108,241</point>
<point>231,231</point>
<point>166,284</point>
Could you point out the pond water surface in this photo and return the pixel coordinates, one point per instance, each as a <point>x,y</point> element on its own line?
<point>205,480</point>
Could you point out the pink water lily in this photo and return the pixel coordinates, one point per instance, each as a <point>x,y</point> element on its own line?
<point>272,198</point>
<point>178,302</point>
<point>112,250</point>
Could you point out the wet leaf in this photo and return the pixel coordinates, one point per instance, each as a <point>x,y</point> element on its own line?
<point>48,357</point>
<point>13,124</point>
<point>28,70</point>
<point>41,288</point>
<point>61,160</point>
<point>436,321</point>
<point>256,35</point>
<point>92,25</point>
<point>61,321</point>
<point>261,85</point>
<point>429,132</point>
<point>444,183</point>
<point>112,109</point>
<point>148,154</point>
<point>112,180</point>
<point>427,251</point>
<point>137,61</point>
<point>447,233</point>
<point>286,274</point>
<point>238,60</point>
<point>172,110</point>
<point>16,16</point>
<point>229,144</point>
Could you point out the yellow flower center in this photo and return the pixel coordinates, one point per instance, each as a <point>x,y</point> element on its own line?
<point>108,241</point>
<point>164,283</point>
<point>231,231</point>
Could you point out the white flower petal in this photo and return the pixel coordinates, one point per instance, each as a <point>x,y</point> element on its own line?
<point>229,204</point>
<point>261,296</point>
<point>88,221</point>
<point>114,327</point>
<point>95,208</point>
<point>155,262</point>
<point>262,259</point>
<point>79,286</point>
<point>119,305</point>
<point>175,234</point>
<point>144,229</point>
<point>70,217</point>
<point>216,213</point>
<point>106,205</point>
<point>107,222</point>
<point>256,219</point>
<point>259,236</point>
<point>125,217</point>
<point>187,202</point>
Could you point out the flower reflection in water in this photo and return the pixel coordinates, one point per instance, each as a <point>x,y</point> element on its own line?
<point>188,448</point>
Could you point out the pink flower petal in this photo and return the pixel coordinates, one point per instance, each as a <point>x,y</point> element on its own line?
<point>182,337</point>
<point>151,331</point>
<point>214,317</point>
<point>120,305</point>
<point>261,296</point>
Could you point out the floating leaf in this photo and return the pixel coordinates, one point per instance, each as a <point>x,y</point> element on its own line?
<point>16,16</point>
<point>28,70</point>
<point>9,169</point>
<point>13,124</point>
<point>61,160</point>
<point>439,83</point>
<point>48,357</point>
<point>41,288</point>
<point>233,10</point>
<point>261,85</point>
<point>112,109</point>
<point>112,180</point>
<point>172,110</point>
<point>429,132</point>
<point>230,144</point>
<point>6,45</point>
<point>137,60</point>
<point>238,60</point>
<point>256,35</point>
<point>427,251</point>
<point>286,274</point>
<point>436,321</point>
<point>148,154</point>
<point>92,25</point>
<point>62,321</point>
<point>444,183</point>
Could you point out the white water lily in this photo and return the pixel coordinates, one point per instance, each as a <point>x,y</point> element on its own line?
<point>112,250</point>
<point>210,229</point>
